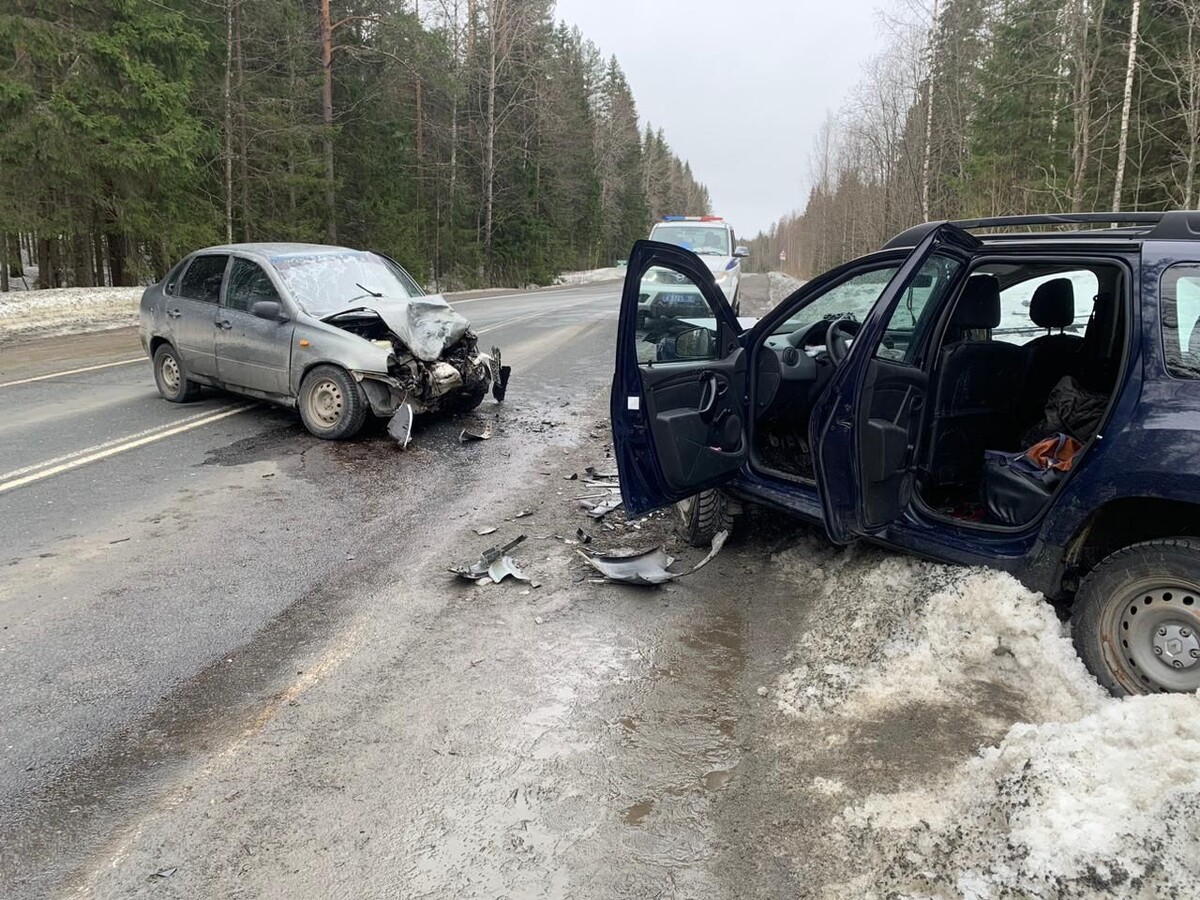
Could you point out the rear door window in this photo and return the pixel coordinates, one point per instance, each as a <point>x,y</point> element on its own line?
<point>248,284</point>
<point>1180,309</point>
<point>202,280</point>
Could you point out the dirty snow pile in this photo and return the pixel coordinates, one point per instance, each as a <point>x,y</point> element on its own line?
<point>782,286</point>
<point>67,310</point>
<point>593,276</point>
<point>1084,796</point>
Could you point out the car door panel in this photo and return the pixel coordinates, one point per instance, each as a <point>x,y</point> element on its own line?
<point>697,434</point>
<point>252,352</point>
<point>678,423</point>
<point>193,309</point>
<point>866,428</point>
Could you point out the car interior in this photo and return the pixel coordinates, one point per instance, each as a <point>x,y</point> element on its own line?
<point>1025,349</point>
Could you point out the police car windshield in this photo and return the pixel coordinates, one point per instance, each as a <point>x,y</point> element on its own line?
<point>706,240</point>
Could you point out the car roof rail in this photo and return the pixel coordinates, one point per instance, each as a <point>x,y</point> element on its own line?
<point>1170,225</point>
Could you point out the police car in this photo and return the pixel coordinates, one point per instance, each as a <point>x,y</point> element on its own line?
<point>709,237</point>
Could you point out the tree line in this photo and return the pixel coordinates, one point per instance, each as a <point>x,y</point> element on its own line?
<point>476,141</point>
<point>1004,107</point>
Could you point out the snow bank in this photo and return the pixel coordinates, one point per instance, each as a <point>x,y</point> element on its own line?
<point>1103,806</point>
<point>782,286</point>
<point>67,311</point>
<point>1085,796</point>
<point>593,276</point>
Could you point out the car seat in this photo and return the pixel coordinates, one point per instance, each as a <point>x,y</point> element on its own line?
<point>1048,358</point>
<point>975,377</point>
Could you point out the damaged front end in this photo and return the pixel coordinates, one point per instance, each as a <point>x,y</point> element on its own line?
<point>435,364</point>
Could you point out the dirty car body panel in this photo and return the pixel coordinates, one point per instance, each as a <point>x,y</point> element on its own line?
<point>282,309</point>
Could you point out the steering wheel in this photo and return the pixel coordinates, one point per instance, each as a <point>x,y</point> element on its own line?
<point>837,339</point>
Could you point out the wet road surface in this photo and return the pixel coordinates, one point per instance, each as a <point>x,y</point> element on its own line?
<point>234,664</point>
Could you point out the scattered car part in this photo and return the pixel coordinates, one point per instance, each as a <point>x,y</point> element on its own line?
<point>523,513</point>
<point>592,472</point>
<point>476,434</point>
<point>584,537</point>
<point>488,529</point>
<point>500,375</point>
<point>648,567</point>
<point>601,509</point>
<point>400,425</point>
<point>488,559</point>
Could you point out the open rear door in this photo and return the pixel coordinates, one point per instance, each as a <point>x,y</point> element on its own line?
<point>679,390</point>
<point>867,427</point>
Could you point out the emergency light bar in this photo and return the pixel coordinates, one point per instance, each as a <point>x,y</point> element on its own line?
<point>693,218</point>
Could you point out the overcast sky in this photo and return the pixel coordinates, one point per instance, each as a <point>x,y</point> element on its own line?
<point>740,86</point>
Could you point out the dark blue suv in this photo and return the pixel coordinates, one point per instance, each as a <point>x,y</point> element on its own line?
<point>1020,392</point>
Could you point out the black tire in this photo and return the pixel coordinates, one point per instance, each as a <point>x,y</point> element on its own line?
<point>465,401</point>
<point>332,404</point>
<point>703,516</point>
<point>171,377</point>
<point>1136,618</point>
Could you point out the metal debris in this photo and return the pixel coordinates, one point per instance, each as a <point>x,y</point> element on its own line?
<point>593,472</point>
<point>601,509</point>
<point>489,529</point>
<point>523,513</point>
<point>165,872</point>
<point>584,537</point>
<point>476,434</point>
<point>647,567</point>
<point>489,560</point>
<point>400,426</point>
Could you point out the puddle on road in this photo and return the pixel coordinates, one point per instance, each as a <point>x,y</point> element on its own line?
<point>678,749</point>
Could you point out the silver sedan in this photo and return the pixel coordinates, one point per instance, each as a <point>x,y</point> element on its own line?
<point>335,332</point>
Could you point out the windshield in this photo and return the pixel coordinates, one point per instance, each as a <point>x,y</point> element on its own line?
<point>705,240</point>
<point>325,283</point>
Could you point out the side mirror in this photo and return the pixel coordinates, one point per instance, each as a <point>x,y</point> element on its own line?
<point>267,309</point>
<point>694,343</point>
<point>742,252</point>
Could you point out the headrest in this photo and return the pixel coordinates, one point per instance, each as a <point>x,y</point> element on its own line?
<point>1053,304</point>
<point>979,305</point>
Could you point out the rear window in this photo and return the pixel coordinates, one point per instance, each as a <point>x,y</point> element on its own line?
<point>202,280</point>
<point>1180,308</point>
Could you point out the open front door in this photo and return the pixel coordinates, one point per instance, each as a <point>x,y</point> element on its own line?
<point>679,390</point>
<point>866,429</point>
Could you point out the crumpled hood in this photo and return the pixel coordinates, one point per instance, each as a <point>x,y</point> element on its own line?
<point>428,326</point>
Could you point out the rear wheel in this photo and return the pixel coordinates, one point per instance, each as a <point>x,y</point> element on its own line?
<point>332,404</point>
<point>171,377</point>
<point>1136,619</point>
<point>702,516</point>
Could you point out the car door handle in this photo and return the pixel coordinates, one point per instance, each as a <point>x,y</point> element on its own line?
<point>224,323</point>
<point>174,313</point>
<point>711,389</point>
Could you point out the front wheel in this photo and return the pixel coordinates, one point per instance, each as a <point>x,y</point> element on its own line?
<point>703,516</point>
<point>1136,619</point>
<point>332,404</point>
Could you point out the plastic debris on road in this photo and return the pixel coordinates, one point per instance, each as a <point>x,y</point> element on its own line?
<point>476,433</point>
<point>493,563</point>
<point>646,567</point>
<point>400,425</point>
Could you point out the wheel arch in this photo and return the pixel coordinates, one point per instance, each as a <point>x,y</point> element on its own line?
<point>1122,522</point>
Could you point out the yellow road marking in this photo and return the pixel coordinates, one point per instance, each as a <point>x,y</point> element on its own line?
<point>63,374</point>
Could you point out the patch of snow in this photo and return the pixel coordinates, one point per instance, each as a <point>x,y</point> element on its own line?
<point>782,286</point>
<point>593,276</point>
<point>1105,805</point>
<point>67,311</point>
<point>1084,796</point>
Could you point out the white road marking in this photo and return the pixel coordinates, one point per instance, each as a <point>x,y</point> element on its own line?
<point>66,463</point>
<point>63,374</point>
<point>552,291</point>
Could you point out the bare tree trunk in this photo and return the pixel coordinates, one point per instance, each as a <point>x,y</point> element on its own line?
<point>489,165</point>
<point>1123,141</point>
<point>243,176</point>
<point>4,245</point>
<point>228,136</point>
<point>925,162</point>
<point>327,122</point>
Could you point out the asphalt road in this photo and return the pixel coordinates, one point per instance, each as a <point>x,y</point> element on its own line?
<point>142,541</point>
<point>234,664</point>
